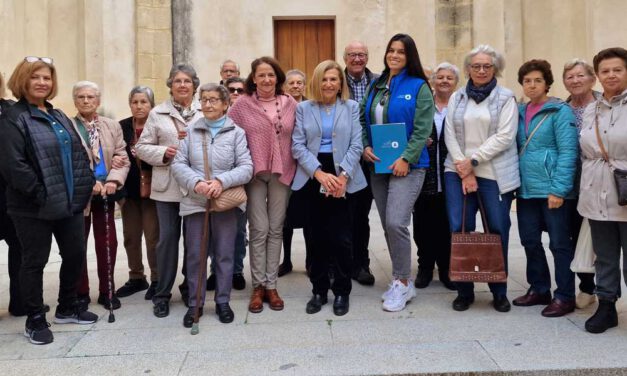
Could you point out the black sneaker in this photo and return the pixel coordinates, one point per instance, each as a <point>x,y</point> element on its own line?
<point>131,287</point>
<point>211,282</point>
<point>83,302</point>
<point>161,309</point>
<point>364,276</point>
<point>152,290</point>
<point>239,282</point>
<point>36,329</point>
<point>103,299</point>
<point>74,316</point>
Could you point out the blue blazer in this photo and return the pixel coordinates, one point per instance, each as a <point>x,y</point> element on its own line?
<point>347,144</point>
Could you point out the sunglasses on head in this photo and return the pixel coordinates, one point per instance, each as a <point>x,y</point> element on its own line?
<point>233,90</point>
<point>32,59</point>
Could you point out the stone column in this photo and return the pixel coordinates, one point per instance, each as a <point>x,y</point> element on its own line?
<point>454,30</point>
<point>182,35</point>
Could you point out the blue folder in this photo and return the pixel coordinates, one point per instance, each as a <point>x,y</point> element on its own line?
<point>388,143</point>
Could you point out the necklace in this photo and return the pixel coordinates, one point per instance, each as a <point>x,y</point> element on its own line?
<point>327,109</point>
<point>277,126</point>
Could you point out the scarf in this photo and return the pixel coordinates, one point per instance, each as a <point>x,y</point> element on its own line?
<point>186,113</point>
<point>92,128</point>
<point>480,93</point>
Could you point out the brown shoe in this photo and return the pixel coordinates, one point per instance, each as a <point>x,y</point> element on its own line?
<point>532,298</point>
<point>273,298</point>
<point>256,299</point>
<point>558,308</point>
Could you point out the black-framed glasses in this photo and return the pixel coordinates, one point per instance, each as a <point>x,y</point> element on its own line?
<point>211,101</point>
<point>238,90</point>
<point>384,98</point>
<point>32,59</point>
<point>478,67</point>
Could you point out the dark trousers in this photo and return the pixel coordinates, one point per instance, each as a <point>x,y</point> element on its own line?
<point>168,250</point>
<point>432,233</point>
<point>497,207</point>
<point>361,203</point>
<point>297,216</point>
<point>608,237</point>
<point>534,215</point>
<point>586,283</point>
<point>16,305</point>
<point>105,263</point>
<point>36,238</point>
<point>330,225</point>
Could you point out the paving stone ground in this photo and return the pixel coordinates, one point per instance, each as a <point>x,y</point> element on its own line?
<point>428,337</point>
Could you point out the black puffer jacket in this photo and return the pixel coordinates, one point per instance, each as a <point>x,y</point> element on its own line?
<point>132,180</point>
<point>32,167</point>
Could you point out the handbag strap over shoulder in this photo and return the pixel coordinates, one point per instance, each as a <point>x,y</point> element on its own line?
<point>599,141</point>
<point>205,157</point>
<point>522,150</point>
<point>484,218</point>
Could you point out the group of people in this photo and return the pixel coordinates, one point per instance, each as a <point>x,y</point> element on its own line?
<point>307,162</point>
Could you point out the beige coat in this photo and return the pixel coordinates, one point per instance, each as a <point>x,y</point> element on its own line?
<point>159,133</point>
<point>598,199</point>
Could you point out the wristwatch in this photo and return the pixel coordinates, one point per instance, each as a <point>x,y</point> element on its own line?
<point>344,174</point>
<point>474,162</point>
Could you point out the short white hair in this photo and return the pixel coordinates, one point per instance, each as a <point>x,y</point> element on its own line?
<point>228,61</point>
<point>85,85</point>
<point>497,59</point>
<point>446,66</point>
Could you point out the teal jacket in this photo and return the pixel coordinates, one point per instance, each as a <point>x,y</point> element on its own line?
<point>548,164</point>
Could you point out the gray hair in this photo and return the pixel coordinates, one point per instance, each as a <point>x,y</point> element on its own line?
<point>446,66</point>
<point>497,59</point>
<point>85,85</point>
<point>575,62</point>
<point>143,90</point>
<point>293,72</point>
<point>186,69</point>
<point>223,93</point>
<point>228,61</point>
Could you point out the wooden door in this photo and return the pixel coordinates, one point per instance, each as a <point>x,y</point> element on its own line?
<point>303,44</point>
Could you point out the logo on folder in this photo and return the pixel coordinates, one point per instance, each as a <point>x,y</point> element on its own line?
<point>388,143</point>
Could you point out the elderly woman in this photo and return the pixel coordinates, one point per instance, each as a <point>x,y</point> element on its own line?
<point>235,86</point>
<point>296,214</point>
<point>139,213</point>
<point>579,80</point>
<point>401,95</point>
<point>48,185</point>
<point>267,116</point>
<point>327,145</point>
<point>548,148</point>
<point>215,140</point>
<point>480,135</point>
<point>165,128</point>
<point>105,141</point>
<point>431,229</point>
<point>603,142</point>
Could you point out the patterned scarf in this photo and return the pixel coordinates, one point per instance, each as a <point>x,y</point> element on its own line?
<point>93,129</point>
<point>186,113</point>
<point>480,93</point>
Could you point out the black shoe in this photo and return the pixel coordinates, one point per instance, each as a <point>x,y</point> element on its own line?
<point>423,278</point>
<point>604,318</point>
<point>211,282</point>
<point>364,276</point>
<point>161,309</point>
<point>83,302</point>
<point>462,303</point>
<point>501,304</point>
<point>448,284</point>
<point>340,305</point>
<point>152,290</point>
<point>131,287</point>
<point>315,304</point>
<point>37,330</point>
<point>188,319</point>
<point>239,282</point>
<point>103,299</point>
<point>225,313</point>
<point>285,268</point>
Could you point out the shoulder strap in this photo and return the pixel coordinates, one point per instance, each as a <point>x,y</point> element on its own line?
<point>205,157</point>
<point>598,134</point>
<point>522,150</point>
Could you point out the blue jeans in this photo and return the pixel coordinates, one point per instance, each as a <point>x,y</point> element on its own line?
<point>497,207</point>
<point>534,215</point>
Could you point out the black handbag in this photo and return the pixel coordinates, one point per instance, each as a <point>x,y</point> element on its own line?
<point>620,176</point>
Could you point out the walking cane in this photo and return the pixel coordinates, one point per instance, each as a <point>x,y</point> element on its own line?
<point>108,249</point>
<point>204,243</point>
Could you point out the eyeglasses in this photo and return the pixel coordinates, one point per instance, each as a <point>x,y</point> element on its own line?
<point>230,71</point>
<point>211,101</point>
<point>478,67</point>
<point>182,82</point>
<point>32,59</point>
<point>238,90</point>
<point>529,81</point>
<point>354,55</point>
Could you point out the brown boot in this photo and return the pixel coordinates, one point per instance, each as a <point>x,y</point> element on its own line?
<point>256,300</point>
<point>272,297</point>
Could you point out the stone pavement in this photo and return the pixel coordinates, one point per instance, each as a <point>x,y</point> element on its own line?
<point>428,337</point>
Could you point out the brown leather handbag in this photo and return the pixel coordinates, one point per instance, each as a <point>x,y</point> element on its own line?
<point>145,181</point>
<point>475,256</point>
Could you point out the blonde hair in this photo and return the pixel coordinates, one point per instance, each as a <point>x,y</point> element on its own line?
<point>315,87</point>
<point>20,78</point>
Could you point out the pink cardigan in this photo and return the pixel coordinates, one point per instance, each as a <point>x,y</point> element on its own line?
<point>270,153</point>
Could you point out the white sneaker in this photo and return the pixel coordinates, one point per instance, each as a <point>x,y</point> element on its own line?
<point>584,300</point>
<point>387,294</point>
<point>398,296</point>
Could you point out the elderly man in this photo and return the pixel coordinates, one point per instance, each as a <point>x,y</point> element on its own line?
<point>358,77</point>
<point>104,141</point>
<point>228,69</point>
